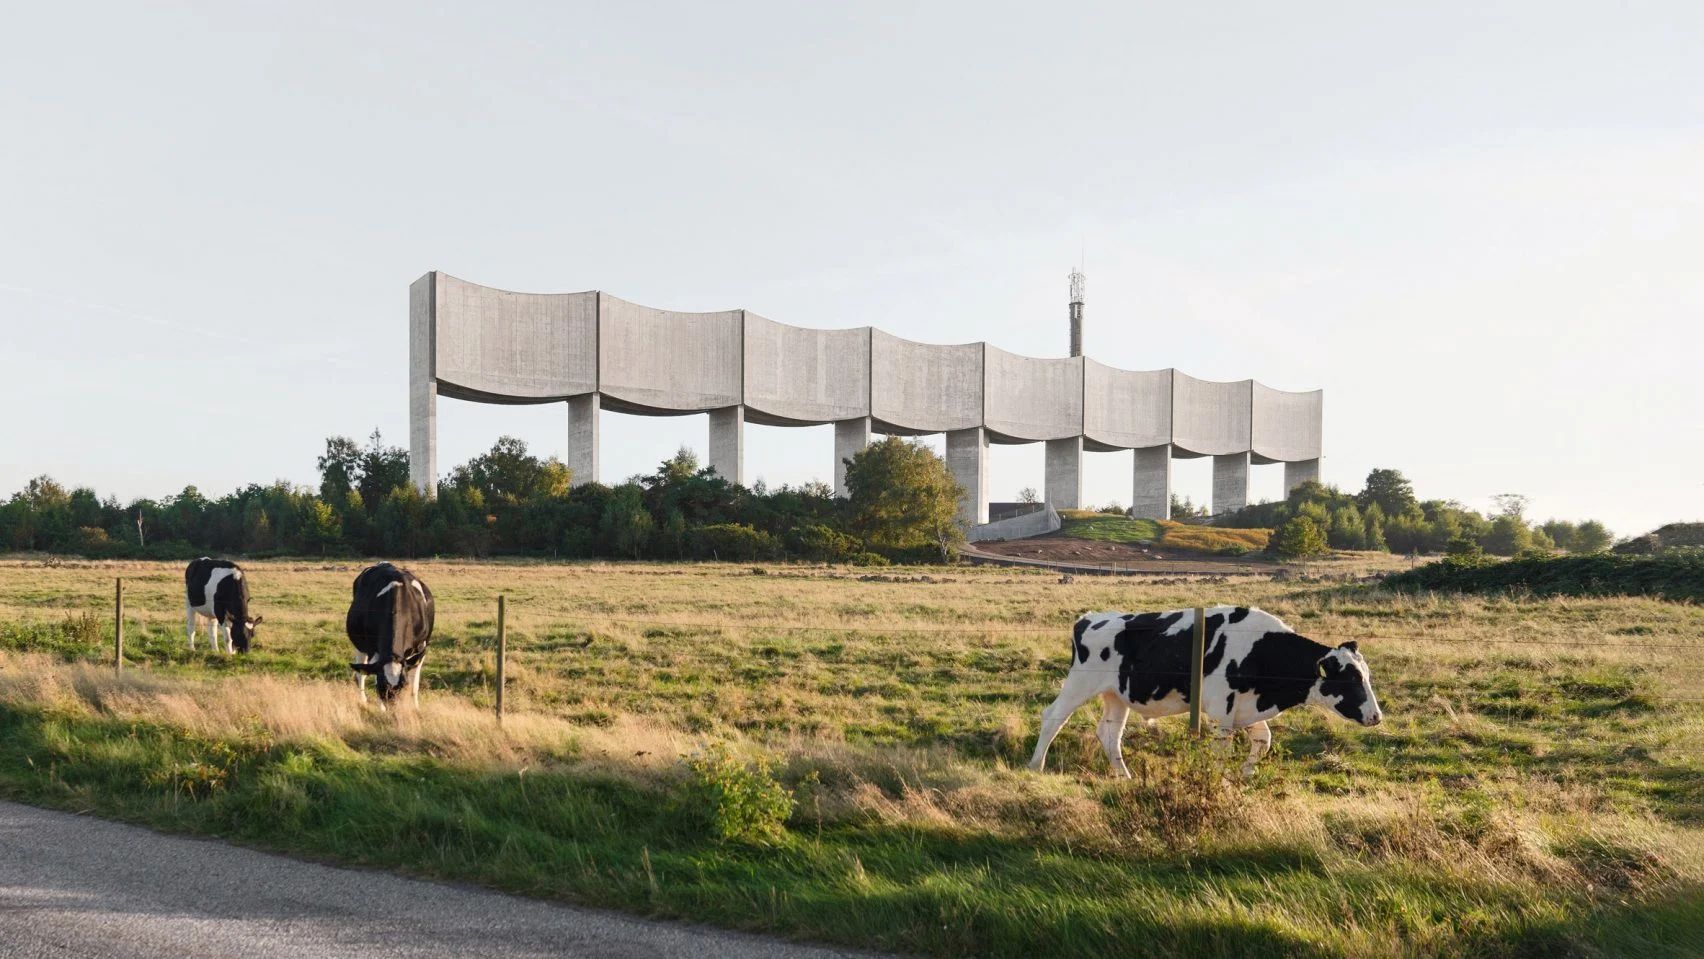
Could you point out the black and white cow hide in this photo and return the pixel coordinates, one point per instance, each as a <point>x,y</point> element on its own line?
<point>1253,668</point>
<point>216,590</point>
<point>390,622</point>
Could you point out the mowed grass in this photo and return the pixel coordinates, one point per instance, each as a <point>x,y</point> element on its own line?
<point>1536,790</point>
<point>1107,528</point>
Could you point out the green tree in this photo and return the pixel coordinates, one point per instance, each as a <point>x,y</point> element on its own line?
<point>339,469</point>
<point>902,496</point>
<point>1508,535</point>
<point>1391,491</point>
<point>625,524</point>
<point>1298,538</point>
<point>1591,537</point>
<point>1561,532</point>
<point>383,469</point>
<point>319,528</point>
<point>1347,530</point>
<point>1373,528</point>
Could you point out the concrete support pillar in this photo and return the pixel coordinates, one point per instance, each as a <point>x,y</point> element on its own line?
<point>1295,474</point>
<point>727,443</point>
<point>967,458</point>
<point>583,414</point>
<point>1230,483</point>
<point>1150,495</point>
<point>850,437</point>
<point>1064,475</point>
<point>422,388</point>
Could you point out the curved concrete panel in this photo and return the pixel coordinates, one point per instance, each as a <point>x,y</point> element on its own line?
<point>1210,418</point>
<point>499,346</point>
<point>1286,426</point>
<point>800,376</point>
<point>1126,409</point>
<point>924,387</point>
<point>1027,399</point>
<point>663,361</point>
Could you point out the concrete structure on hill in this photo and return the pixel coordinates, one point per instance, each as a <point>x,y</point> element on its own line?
<point>592,352</point>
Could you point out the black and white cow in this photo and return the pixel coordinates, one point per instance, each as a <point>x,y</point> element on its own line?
<point>390,622</point>
<point>216,590</point>
<point>1253,668</point>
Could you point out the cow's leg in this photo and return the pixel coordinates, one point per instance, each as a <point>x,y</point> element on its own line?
<point>222,632</point>
<point>1079,688</point>
<point>414,683</point>
<point>189,621</point>
<point>1111,732</point>
<point>1259,743</point>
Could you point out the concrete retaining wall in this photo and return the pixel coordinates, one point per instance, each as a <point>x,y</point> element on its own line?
<point>1038,523</point>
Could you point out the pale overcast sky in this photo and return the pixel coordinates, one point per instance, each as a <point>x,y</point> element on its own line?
<point>1477,226</point>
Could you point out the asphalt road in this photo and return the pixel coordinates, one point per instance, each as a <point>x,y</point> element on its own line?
<point>71,886</point>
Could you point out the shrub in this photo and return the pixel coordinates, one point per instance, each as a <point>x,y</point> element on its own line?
<point>738,802</point>
<point>1675,576</point>
<point>1299,538</point>
<point>734,543</point>
<point>869,559</point>
<point>822,543</point>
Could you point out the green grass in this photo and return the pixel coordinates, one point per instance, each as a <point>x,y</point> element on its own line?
<point>1522,799</point>
<point>1083,524</point>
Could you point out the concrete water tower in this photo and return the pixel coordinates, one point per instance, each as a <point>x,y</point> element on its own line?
<point>1077,312</point>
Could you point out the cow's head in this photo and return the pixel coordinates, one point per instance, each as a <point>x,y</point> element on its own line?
<point>390,672</point>
<point>1345,686</point>
<point>242,632</point>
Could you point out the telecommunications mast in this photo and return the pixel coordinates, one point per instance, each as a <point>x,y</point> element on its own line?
<point>1077,279</point>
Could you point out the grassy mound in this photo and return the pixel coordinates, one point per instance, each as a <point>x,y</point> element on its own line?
<point>1677,576</point>
<point>1107,528</point>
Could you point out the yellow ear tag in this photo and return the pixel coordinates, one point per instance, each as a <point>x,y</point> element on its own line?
<point>1321,670</point>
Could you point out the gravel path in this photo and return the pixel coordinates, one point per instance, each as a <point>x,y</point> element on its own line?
<point>71,886</point>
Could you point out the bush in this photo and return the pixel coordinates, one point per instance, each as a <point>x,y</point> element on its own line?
<point>822,544</point>
<point>736,801</point>
<point>1675,576</point>
<point>869,559</point>
<point>734,543</point>
<point>1299,538</point>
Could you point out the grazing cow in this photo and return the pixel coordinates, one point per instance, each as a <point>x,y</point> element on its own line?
<point>1253,668</point>
<point>215,590</point>
<point>390,622</point>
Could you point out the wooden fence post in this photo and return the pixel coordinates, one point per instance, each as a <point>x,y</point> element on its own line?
<point>1196,649</point>
<point>502,651</point>
<point>118,626</point>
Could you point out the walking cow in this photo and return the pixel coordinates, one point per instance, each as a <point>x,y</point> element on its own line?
<point>1253,668</point>
<point>215,590</point>
<point>390,622</point>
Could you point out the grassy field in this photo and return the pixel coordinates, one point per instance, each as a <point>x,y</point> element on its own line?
<point>1536,790</point>
<point>1107,528</point>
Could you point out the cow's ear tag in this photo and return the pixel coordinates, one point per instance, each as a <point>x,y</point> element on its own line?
<point>1321,670</point>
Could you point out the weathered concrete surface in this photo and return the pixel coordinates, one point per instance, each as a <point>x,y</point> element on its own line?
<point>1230,483</point>
<point>1028,399</point>
<point>920,388</point>
<point>850,438</point>
<point>1064,473</point>
<point>727,443</point>
<point>422,388</point>
<point>1295,474</point>
<point>72,886</point>
<point>662,361</point>
<point>1038,523</point>
<point>1208,418</point>
<point>1286,427</point>
<point>1126,409</point>
<point>514,346</point>
<point>797,376</point>
<point>1150,492</point>
<point>967,458</point>
<point>583,415</point>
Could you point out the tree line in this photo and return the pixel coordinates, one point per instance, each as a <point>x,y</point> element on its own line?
<point>901,507</point>
<point>1386,515</point>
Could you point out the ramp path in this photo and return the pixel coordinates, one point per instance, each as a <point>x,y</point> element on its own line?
<point>75,886</point>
